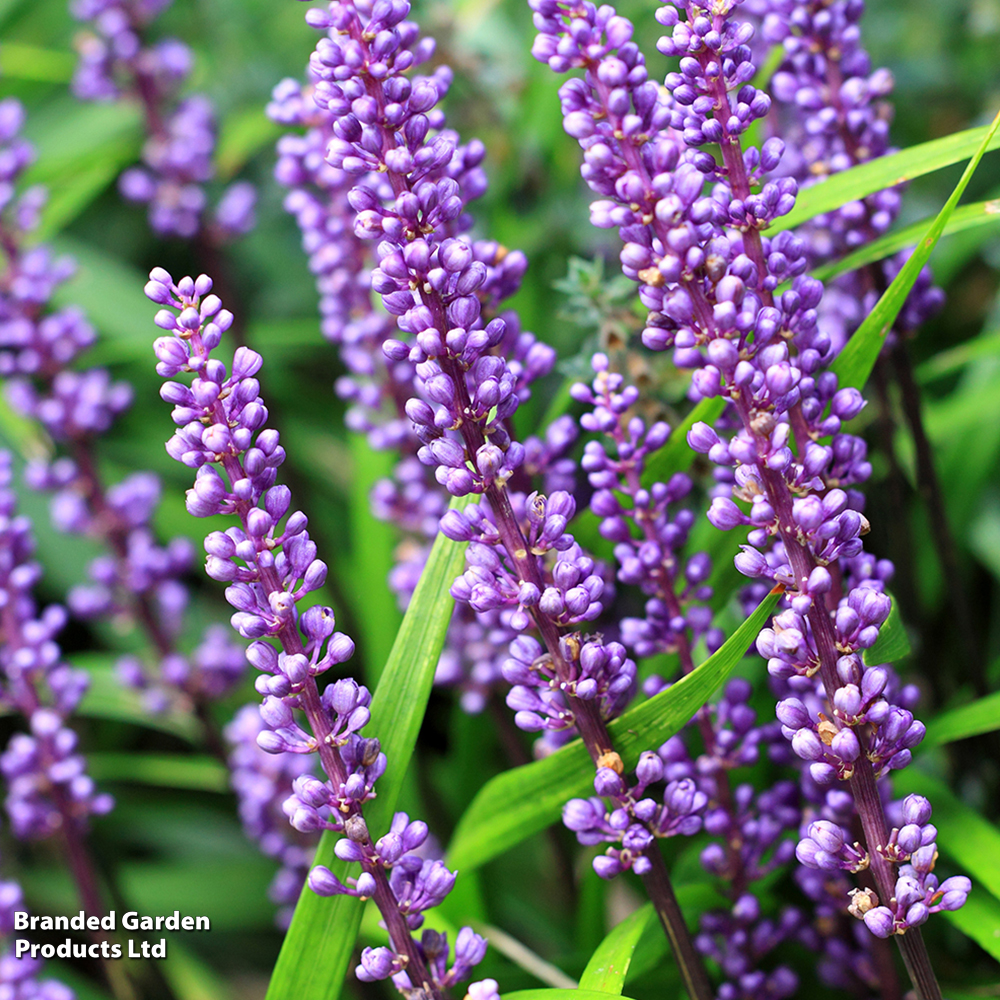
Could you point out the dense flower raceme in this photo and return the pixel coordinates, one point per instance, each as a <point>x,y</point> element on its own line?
<point>137,578</point>
<point>410,194</point>
<point>49,790</point>
<point>752,829</point>
<point>19,976</point>
<point>829,107</point>
<point>221,422</point>
<point>342,259</point>
<point>709,277</point>
<point>118,61</point>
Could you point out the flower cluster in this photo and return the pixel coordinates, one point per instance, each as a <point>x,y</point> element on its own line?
<point>472,370</point>
<point>270,568</point>
<point>636,820</point>
<point>137,578</point>
<point>829,107</point>
<point>676,615</point>
<point>332,106</point>
<point>118,61</point>
<point>263,783</point>
<point>710,280</point>
<point>48,786</point>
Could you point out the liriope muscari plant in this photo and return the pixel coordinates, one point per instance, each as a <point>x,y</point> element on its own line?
<point>118,61</point>
<point>271,564</point>
<point>692,231</point>
<point>596,548</point>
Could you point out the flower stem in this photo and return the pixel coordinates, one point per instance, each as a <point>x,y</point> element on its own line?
<point>689,963</point>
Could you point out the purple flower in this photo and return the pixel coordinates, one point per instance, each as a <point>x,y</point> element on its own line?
<point>49,789</point>
<point>117,61</point>
<point>710,278</point>
<point>270,564</point>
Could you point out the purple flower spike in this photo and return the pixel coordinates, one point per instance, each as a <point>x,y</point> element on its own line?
<point>692,207</point>
<point>118,61</point>
<point>48,787</point>
<point>272,564</point>
<point>136,578</point>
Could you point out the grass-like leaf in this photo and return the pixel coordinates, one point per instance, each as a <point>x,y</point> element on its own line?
<point>982,213</point>
<point>316,952</point>
<point>80,185</point>
<point>191,978</point>
<point>854,363</point>
<point>676,455</point>
<point>892,643</point>
<point>979,919</point>
<point>108,698</point>
<point>374,603</point>
<point>31,62</point>
<point>886,172</point>
<point>980,716</point>
<point>524,958</point>
<point>520,802</point>
<point>168,770</point>
<point>608,966</point>
<point>986,345</point>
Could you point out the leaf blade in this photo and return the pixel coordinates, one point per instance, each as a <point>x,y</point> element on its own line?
<point>884,172</point>
<point>892,643</point>
<point>978,717</point>
<point>520,802</point>
<point>854,363</point>
<point>559,994</point>
<point>982,213</point>
<point>192,772</point>
<point>317,949</point>
<point>979,919</point>
<point>375,607</point>
<point>608,966</point>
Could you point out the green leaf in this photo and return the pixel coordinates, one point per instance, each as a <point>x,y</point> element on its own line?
<point>963,835</point>
<point>854,363</point>
<point>195,773</point>
<point>608,966</point>
<point>523,957</point>
<point>520,802</point>
<point>84,988</point>
<point>108,698</point>
<point>980,716</point>
<point>986,345</point>
<point>892,643</point>
<point>676,455</point>
<point>558,994</point>
<point>885,172</point>
<point>22,434</point>
<point>70,194</point>
<point>982,213</point>
<point>30,62</point>
<point>979,919</point>
<point>243,133</point>
<point>317,949</point>
<point>189,977</point>
<point>110,293</point>
<point>374,542</point>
